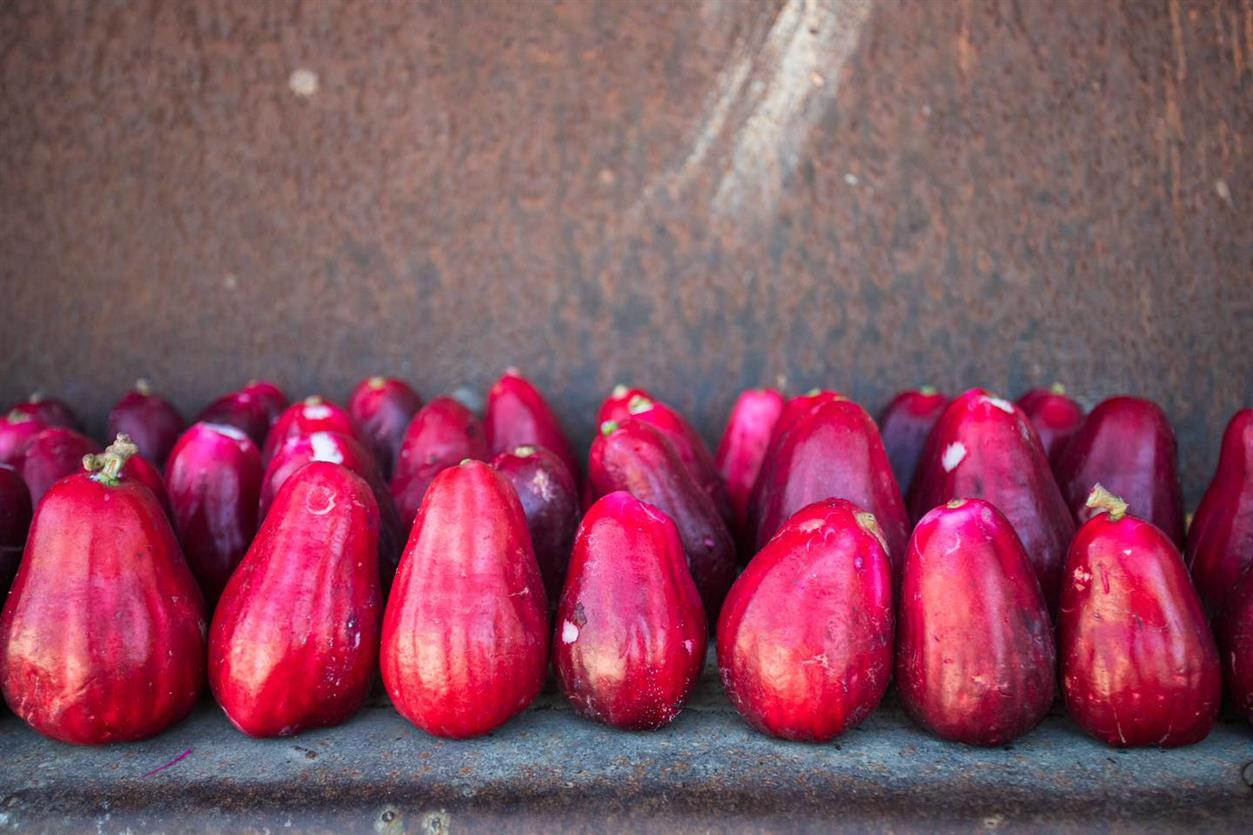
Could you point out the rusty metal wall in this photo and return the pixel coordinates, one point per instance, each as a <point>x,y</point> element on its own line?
<point>692,196</point>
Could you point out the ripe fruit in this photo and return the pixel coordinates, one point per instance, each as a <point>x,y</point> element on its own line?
<point>294,643</point>
<point>1234,630</point>
<point>690,447</point>
<point>550,501</point>
<point>16,430</point>
<point>1139,665</point>
<point>743,448</point>
<point>614,406</point>
<point>382,408</point>
<point>51,455</point>
<point>214,483</point>
<point>905,424</point>
<point>242,410</point>
<point>151,422</point>
<point>975,658</point>
<point>984,447</point>
<point>340,449</point>
<point>793,410</point>
<point>272,398</point>
<point>635,457</point>
<point>465,634</point>
<point>139,469</point>
<point>834,452</point>
<point>103,635</point>
<point>49,411</point>
<point>630,635</point>
<point>517,415</point>
<point>1128,446</point>
<point>313,414</point>
<point>1055,416</point>
<point>443,433</point>
<point>15,515</point>
<point>1220,540</point>
<point>805,635</point>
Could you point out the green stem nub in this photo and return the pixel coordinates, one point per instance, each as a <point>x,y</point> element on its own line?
<point>1101,499</point>
<point>927,391</point>
<point>638,403</point>
<point>107,466</point>
<point>1058,388</point>
<point>609,427</point>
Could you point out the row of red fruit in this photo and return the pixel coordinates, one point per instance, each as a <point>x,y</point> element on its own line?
<point>384,543</point>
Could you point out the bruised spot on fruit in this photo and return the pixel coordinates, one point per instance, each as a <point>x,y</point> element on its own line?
<point>325,448</point>
<point>810,526</point>
<point>569,632</point>
<point>689,646</point>
<point>954,454</point>
<point>1004,405</point>
<point>1082,578</point>
<point>320,501</point>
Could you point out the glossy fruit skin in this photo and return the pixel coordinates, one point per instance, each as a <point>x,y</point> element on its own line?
<point>636,458</point>
<point>103,635</point>
<point>975,656</point>
<point>834,452</point>
<point>465,633</point>
<point>743,449</point>
<point>49,411</point>
<point>984,447</point>
<point>1220,539</point>
<point>242,410</point>
<point>51,455</point>
<point>550,501</point>
<point>273,400</point>
<point>794,410</point>
<point>141,470</point>
<point>615,405</point>
<point>1234,631</point>
<point>904,424</point>
<point>518,415</point>
<point>16,430</point>
<point>442,433</point>
<point>382,407</point>
<point>150,421</point>
<point>214,477</point>
<point>340,449</point>
<point>629,642</point>
<point>294,643</point>
<point>1127,446</point>
<point>690,446</point>
<point>1139,664</point>
<point>15,516</point>
<point>313,414</point>
<point>811,676</point>
<point>1056,419</point>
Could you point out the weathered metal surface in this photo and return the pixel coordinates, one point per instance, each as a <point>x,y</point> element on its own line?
<point>694,196</point>
<point>549,771</point>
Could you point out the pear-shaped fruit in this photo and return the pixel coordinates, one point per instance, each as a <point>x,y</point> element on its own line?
<point>905,423</point>
<point>51,455</point>
<point>382,407</point>
<point>103,635</point>
<point>294,643</point>
<point>1220,539</point>
<point>442,433</point>
<point>805,635</point>
<point>1055,416</point>
<point>630,636</point>
<point>15,516</point>
<point>975,655</point>
<point>743,449</point>
<point>1234,628</point>
<point>149,420</point>
<point>465,634</point>
<point>518,415</point>
<point>313,414</point>
<point>550,501</point>
<point>1139,664</point>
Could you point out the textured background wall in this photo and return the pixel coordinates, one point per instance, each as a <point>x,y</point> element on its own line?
<point>696,197</point>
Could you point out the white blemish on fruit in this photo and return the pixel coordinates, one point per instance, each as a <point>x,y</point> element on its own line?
<point>810,526</point>
<point>688,645</point>
<point>316,411</point>
<point>229,431</point>
<point>1082,578</point>
<point>325,448</point>
<point>953,455</point>
<point>320,501</point>
<point>569,632</point>
<point>1004,405</point>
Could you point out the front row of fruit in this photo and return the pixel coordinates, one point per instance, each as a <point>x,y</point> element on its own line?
<point>104,635</point>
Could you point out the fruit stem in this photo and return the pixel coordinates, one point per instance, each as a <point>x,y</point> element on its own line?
<point>1058,388</point>
<point>524,451</point>
<point>1101,499</point>
<point>18,416</point>
<point>618,390</point>
<point>107,466</point>
<point>143,387</point>
<point>639,403</point>
<point>36,397</point>
<point>927,391</point>
<point>377,382</point>
<point>608,427</point>
<point>313,400</point>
